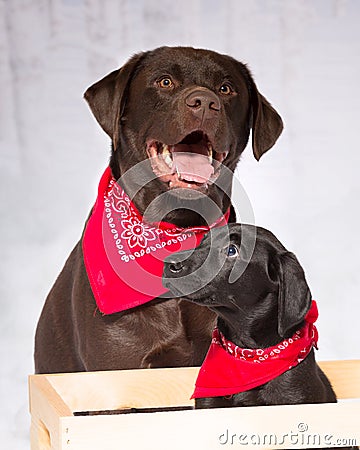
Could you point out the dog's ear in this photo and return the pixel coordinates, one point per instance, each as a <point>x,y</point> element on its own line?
<point>294,299</point>
<point>106,97</point>
<point>267,125</point>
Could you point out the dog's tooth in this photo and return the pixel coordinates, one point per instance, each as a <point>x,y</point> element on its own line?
<point>168,160</point>
<point>210,152</point>
<point>165,149</point>
<point>153,153</point>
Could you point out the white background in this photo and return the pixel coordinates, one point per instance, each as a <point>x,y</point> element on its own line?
<point>305,57</point>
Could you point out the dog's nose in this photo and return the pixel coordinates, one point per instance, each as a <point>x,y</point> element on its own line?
<point>203,103</point>
<point>175,266</point>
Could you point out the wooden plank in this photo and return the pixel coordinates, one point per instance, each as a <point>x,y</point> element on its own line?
<point>344,376</point>
<point>46,408</point>
<point>93,391</point>
<point>54,398</point>
<point>298,426</point>
<point>142,388</point>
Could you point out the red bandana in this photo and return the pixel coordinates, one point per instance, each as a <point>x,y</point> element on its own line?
<point>229,369</point>
<point>124,256</point>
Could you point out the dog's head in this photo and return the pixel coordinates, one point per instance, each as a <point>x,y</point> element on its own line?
<point>188,112</point>
<point>247,277</point>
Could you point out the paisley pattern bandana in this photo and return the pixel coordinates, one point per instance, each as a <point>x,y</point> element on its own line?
<point>123,255</point>
<point>229,369</point>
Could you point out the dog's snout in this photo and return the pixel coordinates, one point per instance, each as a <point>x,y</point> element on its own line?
<point>175,266</point>
<point>203,102</point>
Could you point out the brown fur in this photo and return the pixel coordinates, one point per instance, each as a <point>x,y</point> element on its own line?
<point>129,105</point>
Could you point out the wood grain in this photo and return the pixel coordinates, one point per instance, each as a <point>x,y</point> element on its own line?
<point>54,399</point>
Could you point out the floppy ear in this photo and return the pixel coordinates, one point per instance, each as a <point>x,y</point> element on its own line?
<point>106,98</point>
<point>267,125</point>
<point>294,299</point>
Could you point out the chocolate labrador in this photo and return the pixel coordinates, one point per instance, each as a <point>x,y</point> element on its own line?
<point>262,352</point>
<point>186,114</point>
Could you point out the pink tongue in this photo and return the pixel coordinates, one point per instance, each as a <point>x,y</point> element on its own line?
<point>192,166</point>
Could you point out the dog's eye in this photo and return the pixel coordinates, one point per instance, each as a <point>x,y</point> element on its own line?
<point>165,83</point>
<point>226,89</point>
<point>232,251</point>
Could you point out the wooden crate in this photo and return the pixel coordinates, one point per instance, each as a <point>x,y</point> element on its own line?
<point>56,399</point>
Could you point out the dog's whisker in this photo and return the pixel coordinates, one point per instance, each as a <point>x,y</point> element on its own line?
<point>233,302</point>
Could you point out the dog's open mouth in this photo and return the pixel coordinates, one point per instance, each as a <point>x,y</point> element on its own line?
<point>191,163</point>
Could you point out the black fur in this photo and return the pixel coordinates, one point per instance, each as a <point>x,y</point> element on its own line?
<point>265,305</point>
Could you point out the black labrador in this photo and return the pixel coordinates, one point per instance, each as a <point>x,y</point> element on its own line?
<point>159,107</point>
<point>259,293</point>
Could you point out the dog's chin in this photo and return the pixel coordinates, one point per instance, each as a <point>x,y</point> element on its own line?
<point>192,164</point>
